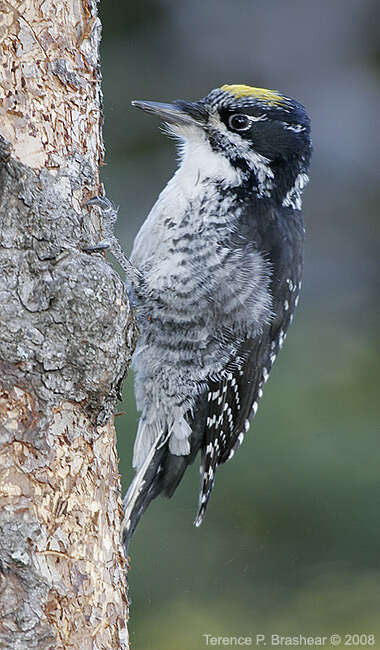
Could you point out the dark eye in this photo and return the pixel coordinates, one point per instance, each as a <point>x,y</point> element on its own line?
<point>239,122</point>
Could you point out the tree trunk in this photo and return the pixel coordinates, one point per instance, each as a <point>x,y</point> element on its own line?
<point>66,337</point>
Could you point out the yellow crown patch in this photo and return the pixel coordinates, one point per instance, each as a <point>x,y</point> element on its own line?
<point>268,96</point>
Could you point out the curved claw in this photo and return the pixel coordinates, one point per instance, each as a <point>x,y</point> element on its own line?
<point>101,202</point>
<point>102,246</point>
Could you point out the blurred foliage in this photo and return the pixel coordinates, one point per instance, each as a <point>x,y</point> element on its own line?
<point>290,544</point>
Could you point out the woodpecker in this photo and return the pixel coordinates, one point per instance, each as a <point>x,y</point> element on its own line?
<point>215,276</point>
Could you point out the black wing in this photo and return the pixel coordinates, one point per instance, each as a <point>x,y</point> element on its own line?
<point>233,397</point>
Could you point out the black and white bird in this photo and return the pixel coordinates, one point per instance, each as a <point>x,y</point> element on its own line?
<point>215,280</point>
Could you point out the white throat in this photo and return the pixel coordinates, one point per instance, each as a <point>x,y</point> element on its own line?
<point>200,162</point>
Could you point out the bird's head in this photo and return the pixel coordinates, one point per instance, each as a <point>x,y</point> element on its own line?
<point>263,135</point>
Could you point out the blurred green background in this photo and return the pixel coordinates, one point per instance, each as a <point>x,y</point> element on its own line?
<point>291,541</point>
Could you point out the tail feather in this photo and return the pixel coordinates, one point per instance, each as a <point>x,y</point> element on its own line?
<point>161,472</point>
<point>208,468</point>
<point>144,487</point>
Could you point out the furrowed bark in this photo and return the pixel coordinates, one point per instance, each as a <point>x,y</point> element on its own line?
<point>66,338</point>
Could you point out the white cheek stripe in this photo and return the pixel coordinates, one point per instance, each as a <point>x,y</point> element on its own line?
<point>293,196</point>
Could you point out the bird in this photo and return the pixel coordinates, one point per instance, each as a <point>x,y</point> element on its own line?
<point>215,275</point>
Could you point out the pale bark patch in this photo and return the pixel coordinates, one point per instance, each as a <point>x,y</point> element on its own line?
<point>47,48</point>
<point>72,489</point>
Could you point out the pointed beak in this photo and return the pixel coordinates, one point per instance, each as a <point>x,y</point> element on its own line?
<point>179,113</point>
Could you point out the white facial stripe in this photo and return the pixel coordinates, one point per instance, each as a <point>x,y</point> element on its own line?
<point>251,119</point>
<point>293,196</point>
<point>259,118</point>
<point>297,128</point>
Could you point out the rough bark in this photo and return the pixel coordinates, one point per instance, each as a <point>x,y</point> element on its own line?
<point>66,337</point>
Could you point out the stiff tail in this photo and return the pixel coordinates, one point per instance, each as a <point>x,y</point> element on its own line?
<point>208,468</point>
<point>144,487</point>
<point>161,472</point>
